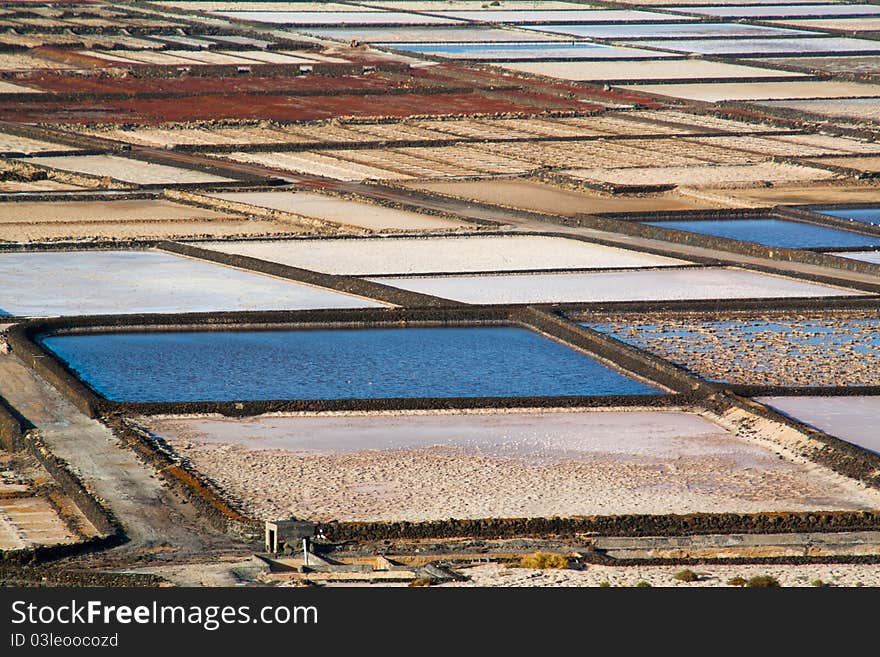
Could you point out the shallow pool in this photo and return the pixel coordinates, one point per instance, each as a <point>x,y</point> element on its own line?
<point>862,215</point>
<point>772,232</point>
<point>335,364</point>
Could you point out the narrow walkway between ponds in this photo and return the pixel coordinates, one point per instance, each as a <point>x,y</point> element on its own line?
<point>157,523</point>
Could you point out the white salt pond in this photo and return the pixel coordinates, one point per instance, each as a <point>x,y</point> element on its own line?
<point>644,70</point>
<point>654,285</point>
<point>850,418</point>
<point>865,256</point>
<point>512,464</point>
<point>122,282</point>
<point>341,210</point>
<point>125,169</point>
<point>383,256</point>
<point>331,18</point>
<point>762,90</point>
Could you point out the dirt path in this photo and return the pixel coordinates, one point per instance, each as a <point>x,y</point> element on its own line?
<point>154,519</point>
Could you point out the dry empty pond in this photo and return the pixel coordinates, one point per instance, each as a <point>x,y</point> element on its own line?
<point>120,219</point>
<point>125,169</point>
<point>381,256</point>
<point>516,464</point>
<point>650,285</point>
<point>542,197</point>
<point>340,210</point>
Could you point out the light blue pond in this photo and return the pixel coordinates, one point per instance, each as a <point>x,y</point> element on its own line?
<point>664,30</point>
<point>862,215</point>
<point>335,364</point>
<point>772,232</point>
<point>521,50</point>
<point>795,45</point>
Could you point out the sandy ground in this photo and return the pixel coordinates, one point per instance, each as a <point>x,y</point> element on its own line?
<point>125,169</point>
<point>319,206</point>
<point>421,467</point>
<point>542,197</point>
<point>653,285</point>
<point>445,254</point>
<point>109,282</point>
<point>711,575</point>
<point>871,164</point>
<point>853,419</point>
<point>794,351</point>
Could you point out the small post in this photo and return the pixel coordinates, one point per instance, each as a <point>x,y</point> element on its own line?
<point>305,551</point>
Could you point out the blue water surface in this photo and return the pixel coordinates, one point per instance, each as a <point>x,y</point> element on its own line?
<point>862,215</point>
<point>772,232</point>
<point>537,50</point>
<point>335,364</point>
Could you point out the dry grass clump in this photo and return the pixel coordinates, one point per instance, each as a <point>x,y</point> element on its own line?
<point>737,581</point>
<point>422,581</point>
<point>686,575</point>
<point>763,582</point>
<point>544,561</point>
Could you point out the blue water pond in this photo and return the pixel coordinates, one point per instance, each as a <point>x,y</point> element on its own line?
<point>862,215</point>
<point>334,364</point>
<point>772,232</point>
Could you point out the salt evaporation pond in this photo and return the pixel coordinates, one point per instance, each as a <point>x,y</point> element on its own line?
<point>772,46</point>
<point>331,18</point>
<point>517,50</point>
<point>862,215</point>
<point>120,282</point>
<point>772,232</point>
<point>795,350</point>
<point>666,30</point>
<point>850,418</point>
<point>872,257</point>
<point>387,256</point>
<point>335,364</point>
<point>592,287</point>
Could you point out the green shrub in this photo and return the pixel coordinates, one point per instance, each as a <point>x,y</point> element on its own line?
<point>686,575</point>
<point>544,560</point>
<point>605,585</point>
<point>642,584</point>
<point>762,582</point>
<point>818,583</point>
<point>736,581</point>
